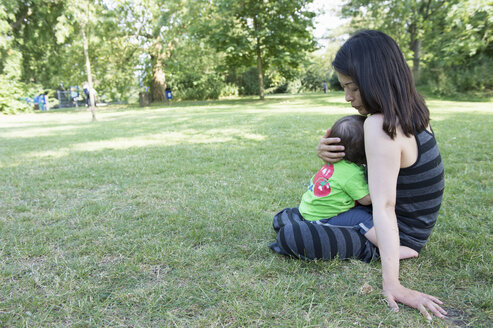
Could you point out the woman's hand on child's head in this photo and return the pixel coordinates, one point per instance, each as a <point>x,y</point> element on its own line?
<point>329,150</point>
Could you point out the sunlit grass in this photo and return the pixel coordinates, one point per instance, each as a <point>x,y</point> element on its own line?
<point>158,139</point>
<point>161,216</point>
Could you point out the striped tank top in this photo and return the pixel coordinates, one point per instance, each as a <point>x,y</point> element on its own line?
<point>419,193</point>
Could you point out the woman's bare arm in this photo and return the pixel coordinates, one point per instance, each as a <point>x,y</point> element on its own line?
<point>384,157</point>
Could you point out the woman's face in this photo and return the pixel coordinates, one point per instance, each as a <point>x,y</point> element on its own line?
<point>353,95</point>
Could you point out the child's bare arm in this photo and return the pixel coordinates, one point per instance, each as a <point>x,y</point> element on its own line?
<point>365,200</point>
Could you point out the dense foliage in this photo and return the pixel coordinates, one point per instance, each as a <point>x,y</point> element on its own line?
<point>448,43</point>
<point>265,34</point>
<point>11,96</point>
<point>204,49</point>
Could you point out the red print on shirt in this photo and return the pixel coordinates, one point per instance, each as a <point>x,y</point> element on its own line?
<point>321,186</point>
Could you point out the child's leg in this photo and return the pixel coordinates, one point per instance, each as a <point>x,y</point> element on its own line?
<point>404,252</point>
<point>286,216</point>
<point>359,216</point>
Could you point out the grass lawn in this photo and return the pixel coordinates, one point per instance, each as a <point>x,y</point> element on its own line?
<point>161,217</point>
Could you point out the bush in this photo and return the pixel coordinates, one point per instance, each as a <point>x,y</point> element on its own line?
<point>312,78</point>
<point>294,86</point>
<point>229,90</point>
<point>193,86</point>
<point>283,88</point>
<point>475,75</point>
<point>12,96</point>
<point>248,83</point>
<point>334,83</point>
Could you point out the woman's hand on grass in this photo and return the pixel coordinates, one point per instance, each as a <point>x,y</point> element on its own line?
<point>329,150</point>
<point>420,301</point>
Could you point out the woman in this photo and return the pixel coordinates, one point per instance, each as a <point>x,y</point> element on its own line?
<point>405,172</point>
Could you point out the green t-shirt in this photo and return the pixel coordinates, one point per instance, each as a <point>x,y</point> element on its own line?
<point>333,190</point>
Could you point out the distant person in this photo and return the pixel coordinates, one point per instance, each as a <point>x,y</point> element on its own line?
<point>335,194</point>
<point>85,88</point>
<point>74,94</point>
<point>87,93</point>
<point>324,85</point>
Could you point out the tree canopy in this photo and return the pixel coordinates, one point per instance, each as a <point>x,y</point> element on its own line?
<point>451,39</point>
<point>205,49</point>
<point>266,33</point>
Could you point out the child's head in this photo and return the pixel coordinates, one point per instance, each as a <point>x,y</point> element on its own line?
<point>350,130</point>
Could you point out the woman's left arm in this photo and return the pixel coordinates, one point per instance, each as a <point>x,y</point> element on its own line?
<point>384,158</point>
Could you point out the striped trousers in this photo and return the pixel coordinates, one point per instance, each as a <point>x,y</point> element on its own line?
<point>307,240</point>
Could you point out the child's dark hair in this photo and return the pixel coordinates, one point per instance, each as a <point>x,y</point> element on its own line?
<point>351,132</point>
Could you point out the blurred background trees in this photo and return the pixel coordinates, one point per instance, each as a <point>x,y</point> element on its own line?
<point>448,43</point>
<point>273,36</point>
<point>205,49</point>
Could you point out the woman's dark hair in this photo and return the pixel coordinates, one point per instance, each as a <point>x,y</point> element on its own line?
<point>351,132</point>
<point>374,62</point>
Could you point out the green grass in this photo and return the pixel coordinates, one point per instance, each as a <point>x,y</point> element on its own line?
<point>161,217</point>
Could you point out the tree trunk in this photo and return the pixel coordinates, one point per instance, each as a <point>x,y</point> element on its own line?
<point>415,46</point>
<point>158,86</point>
<point>260,73</point>
<point>88,69</point>
<point>259,61</point>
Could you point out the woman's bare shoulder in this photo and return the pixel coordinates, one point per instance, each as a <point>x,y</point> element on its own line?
<point>374,125</point>
<point>375,120</point>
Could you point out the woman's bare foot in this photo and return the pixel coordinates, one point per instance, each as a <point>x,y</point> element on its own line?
<point>406,253</point>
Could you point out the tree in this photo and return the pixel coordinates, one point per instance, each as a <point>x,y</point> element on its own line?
<point>82,16</point>
<point>110,29</point>
<point>32,49</point>
<point>408,21</point>
<point>440,35</point>
<point>162,26</point>
<point>25,48</point>
<point>44,43</point>
<point>461,58</point>
<point>262,33</point>
<point>35,27</point>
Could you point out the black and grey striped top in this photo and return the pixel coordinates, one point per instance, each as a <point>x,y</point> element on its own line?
<point>419,193</point>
